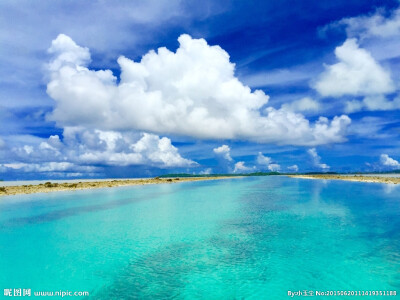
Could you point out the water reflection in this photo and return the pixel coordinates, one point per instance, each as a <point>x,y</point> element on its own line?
<point>317,205</point>
<point>389,188</point>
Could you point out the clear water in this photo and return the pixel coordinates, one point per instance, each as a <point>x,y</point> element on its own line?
<point>242,238</point>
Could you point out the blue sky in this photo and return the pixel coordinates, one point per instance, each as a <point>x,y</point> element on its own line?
<point>142,88</point>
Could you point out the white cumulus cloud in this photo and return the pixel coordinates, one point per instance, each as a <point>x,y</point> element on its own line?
<point>96,147</point>
<point>387,161</point>
<point>240,167</point>
<point>191,92</point>
<point>206,171</point>
<point>274,167</point>
<point>293,168</point>
<point>265,161</point>
<point>356,73</point>
<point>316,159</point>
<point>115,148</point>
<point>224,151</point>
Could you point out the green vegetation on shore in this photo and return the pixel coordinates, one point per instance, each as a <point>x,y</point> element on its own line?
<point>383,172</point>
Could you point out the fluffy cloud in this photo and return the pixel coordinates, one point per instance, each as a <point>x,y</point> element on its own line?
<point>379,35</point>
<point>28,149</point>
<point>241,168</point>
<point>316,159</point>
<point>191,92</point>
<point>378,32</point>
<point>387,161</point>
<point>356,73</point>
<point>302,105</point>
<point>293,168</point>
<point>48,167</point>
<point>265,161</point>
<point>353,106</point>
<point>67,52</point>
<point>115,148</point>
<point>207,171</point>
<point>82,147</point>
<point>53,143</point>
<point>274,167</point>
<point>376,25</point>
<point>374,103</point>
<point>223,151</point>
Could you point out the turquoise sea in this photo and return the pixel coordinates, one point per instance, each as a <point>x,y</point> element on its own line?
<point>240,238</point>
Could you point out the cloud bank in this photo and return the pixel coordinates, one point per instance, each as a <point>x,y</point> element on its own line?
<point>85,151</point>
<point>191,92</point>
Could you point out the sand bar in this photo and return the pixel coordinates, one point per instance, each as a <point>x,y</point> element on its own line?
<point>54,187</point>
<point>360,178</point>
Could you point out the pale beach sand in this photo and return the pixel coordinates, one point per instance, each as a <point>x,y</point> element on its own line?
<point>68,186</point>
<point>360,178</point>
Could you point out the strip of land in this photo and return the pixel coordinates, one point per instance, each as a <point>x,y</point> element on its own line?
<point>53,187</point>
<point>360,178</point>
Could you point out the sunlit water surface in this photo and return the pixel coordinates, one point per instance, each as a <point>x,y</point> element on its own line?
<point>241,238</point>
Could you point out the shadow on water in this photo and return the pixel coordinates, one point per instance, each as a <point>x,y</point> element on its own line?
<point>162,190</point>
<point>74,211</point>
<point>166,273</point>
<point>155,276</point>
<point>227,259</point>
<point>60,214</point>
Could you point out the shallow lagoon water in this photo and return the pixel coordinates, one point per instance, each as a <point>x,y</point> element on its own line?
<point>240,238</point>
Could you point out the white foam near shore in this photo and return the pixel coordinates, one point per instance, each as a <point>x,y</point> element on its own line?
<point>36,182</point>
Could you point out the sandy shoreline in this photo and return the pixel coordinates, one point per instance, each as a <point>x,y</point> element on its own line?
<point>359,178</point>
<point>56,187</point>
<point>82,185</point>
